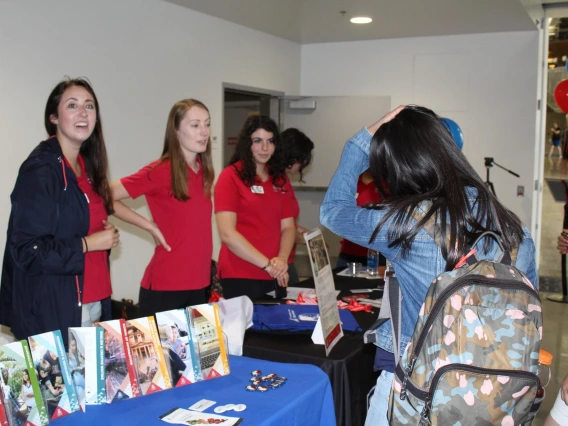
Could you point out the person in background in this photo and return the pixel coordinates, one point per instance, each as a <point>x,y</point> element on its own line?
<point>559,413</point>
<point>555,139</point>
<point>77,367</point>
<point>175,364</point>
<point>414,154</point>
<point>177,344</point>
<point>27,396</point>
<point>178,190</point>
<point>51,390</point>
<point>11,404</point>
<point>367,193</point>
<point>56,271</point>
<point>253,213</point>
<point>297,150</point>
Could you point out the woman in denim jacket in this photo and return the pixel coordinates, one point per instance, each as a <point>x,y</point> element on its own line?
<point>412,153</point>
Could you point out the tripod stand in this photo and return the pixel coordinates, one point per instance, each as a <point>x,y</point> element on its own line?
<point>489,162</point>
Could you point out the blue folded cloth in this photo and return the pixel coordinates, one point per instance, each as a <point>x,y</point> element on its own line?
<point>295,318</point>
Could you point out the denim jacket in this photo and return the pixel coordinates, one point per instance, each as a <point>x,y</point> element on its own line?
<point>340,213</point>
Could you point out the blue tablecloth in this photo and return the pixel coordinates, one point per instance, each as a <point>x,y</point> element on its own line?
<point>305,399</point>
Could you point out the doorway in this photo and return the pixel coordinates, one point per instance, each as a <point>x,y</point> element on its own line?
<point>239,103</point>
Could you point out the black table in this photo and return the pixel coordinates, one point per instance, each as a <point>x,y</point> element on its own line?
<point>349,364</point>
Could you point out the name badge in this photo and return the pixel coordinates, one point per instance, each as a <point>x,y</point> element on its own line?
<point>257,189</point>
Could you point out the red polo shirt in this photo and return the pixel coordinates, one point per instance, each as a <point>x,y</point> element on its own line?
<point>365,194</point>
<point>186,226</point>
<point>295,212</point>
<point>96,276</point>
<point>260,210</point>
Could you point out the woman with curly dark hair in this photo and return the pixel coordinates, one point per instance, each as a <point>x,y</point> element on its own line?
<point>253,213</point>
<point>297,149</point>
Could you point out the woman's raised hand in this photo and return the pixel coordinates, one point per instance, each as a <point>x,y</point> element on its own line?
<point>385,119</point>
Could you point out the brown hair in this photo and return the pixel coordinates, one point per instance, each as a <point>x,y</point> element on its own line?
<point>172,151</point>
<point>93,149</point>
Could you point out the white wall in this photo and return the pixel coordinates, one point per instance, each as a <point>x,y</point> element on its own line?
<point>487,83</point>
<point>141,57</point>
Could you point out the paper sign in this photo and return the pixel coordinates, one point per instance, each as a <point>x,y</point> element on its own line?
<point>325,289</point>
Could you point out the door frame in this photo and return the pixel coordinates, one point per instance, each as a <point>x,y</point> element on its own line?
<point>248,89</point>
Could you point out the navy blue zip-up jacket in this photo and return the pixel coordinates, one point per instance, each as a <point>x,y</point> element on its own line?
<point>42,274</point>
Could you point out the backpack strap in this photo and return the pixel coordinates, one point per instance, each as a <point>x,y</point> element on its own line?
<point>506,258</point>
<point>390,310</point>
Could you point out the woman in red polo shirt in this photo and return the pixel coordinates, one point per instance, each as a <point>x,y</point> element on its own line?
<point>178,192</point>
<point>297,149</point>
<point>254,218</point>
<point>367,193</point>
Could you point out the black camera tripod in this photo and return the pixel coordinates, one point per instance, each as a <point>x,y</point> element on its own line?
<point>489,162</point>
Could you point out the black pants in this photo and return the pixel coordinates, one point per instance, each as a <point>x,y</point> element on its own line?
<point>255,289</point>
<point>293,274</point>
<point>152,301</point>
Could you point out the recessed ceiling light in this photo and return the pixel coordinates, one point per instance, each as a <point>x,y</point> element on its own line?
<point>361,20</point>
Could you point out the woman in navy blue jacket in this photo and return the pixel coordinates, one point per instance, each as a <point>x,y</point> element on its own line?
<point>55,269</point>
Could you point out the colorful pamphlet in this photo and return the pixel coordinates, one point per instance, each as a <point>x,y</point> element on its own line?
<point>22,397</point>
<point>149,361</point>
<point>121,380</point>
<point>206,331</point>
<point>53,373</point>
<point>180,350</point>
<point>86,357</point>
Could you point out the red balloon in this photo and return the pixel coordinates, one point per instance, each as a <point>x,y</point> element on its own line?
<point>561,95</point>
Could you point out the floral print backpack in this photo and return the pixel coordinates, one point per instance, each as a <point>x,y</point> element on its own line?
<point>473,355</point>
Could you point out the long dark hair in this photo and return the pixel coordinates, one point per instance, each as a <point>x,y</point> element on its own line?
<point>25,371</point>
<point>172,151</point>
<point>297,148</point>
<point>93,150</point>
<point>415,157</point>
<point>243,151</point>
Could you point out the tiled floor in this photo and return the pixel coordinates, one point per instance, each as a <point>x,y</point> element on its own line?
<point>555,338</point>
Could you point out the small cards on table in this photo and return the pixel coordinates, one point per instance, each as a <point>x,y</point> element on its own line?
<point>187,417</point>
<point>202,405</point>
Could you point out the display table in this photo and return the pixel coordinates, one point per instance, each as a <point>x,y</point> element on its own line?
<point>349,365</point>
<point>305,399</point>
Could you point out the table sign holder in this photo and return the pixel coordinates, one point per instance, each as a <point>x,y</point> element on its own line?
<point>328,322</point>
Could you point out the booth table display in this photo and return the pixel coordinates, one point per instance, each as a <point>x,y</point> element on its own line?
<point>349,365</point>
<point>305,399</point>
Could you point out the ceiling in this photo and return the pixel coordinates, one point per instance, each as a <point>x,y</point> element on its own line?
<point>320,21</point>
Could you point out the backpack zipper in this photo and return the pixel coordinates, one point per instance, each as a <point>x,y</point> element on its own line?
<point>471,369</point>
<point>462,282</point>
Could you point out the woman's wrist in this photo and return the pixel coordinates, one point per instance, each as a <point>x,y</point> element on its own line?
<point>148,225</point>
<point>266,266</point>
